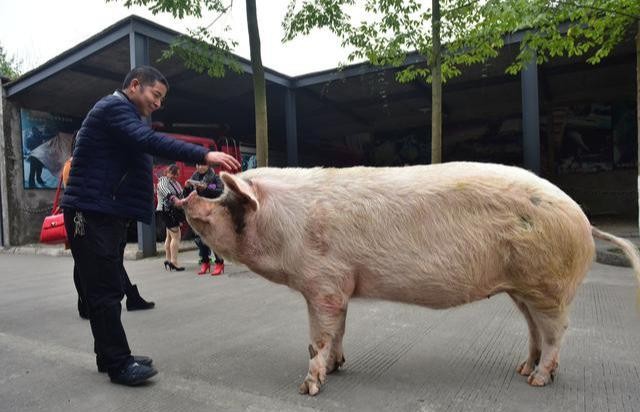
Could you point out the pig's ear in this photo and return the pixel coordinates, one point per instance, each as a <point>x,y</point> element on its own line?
<point>241,188</point>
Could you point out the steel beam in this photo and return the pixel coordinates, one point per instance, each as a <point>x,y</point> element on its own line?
<point>530,116</point>
<point>291,127</point>
<point>138,56</point>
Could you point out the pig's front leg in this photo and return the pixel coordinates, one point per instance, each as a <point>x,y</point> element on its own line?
<point>326,321</point>
<point>336,360</point>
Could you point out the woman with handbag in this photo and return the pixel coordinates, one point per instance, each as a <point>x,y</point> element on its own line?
<point>169,190</point>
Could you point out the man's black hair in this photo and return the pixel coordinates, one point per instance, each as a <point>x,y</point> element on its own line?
<point>146,75</point>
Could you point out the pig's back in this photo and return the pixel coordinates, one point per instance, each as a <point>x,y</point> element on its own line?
<point>423,179</point>
<point>446,177</point>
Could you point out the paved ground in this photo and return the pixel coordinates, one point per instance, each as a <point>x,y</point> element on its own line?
<point>237,342</point>
<point>131,251</point>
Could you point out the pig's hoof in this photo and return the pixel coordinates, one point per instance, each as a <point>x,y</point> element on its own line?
<point>526,368</point>
<point>316,377</point>
<point>309,386</point>
<point>337,364</point>
<point>539,378</point>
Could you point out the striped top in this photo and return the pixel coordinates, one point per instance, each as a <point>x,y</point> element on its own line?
<point>166,189</point>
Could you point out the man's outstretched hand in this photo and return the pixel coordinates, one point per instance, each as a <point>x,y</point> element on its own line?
<point>225,161</point>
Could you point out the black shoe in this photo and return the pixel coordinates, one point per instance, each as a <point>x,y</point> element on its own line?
<point>173,267</point>
<point>136,302</point>
<point>139,304</point>
<point>142,360</point>
<point>134,374</point>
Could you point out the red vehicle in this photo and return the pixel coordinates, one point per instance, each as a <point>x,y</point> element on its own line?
<point>187,169</point>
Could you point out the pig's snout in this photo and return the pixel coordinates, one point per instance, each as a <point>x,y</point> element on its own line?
<point>187,201</point>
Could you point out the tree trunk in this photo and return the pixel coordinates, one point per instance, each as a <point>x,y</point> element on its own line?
<point>638,109</point>
<point>436,86</point>
<point>259,88</point>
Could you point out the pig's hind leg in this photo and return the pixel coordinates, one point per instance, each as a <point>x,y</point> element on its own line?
<point>552,326</point>
<point>327,314</point>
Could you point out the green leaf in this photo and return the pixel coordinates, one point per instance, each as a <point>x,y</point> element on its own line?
<point>9,67</point>
<point>204,53</point>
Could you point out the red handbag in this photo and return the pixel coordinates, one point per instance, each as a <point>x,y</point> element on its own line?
<point>53,230</point>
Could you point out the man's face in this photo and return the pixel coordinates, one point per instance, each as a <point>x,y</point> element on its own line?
<point>202,169</point>
<point>147,98</point>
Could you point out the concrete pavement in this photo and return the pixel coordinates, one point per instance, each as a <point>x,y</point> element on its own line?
<point>131,251</point>
<point>237,343</point>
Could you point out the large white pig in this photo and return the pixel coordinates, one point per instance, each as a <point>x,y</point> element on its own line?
<point>436,236</point>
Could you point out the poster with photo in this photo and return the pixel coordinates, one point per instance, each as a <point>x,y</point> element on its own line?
<point>47,141</point>
<point>249,160</point>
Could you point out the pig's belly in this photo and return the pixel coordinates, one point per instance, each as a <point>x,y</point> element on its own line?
<point>426,289</point>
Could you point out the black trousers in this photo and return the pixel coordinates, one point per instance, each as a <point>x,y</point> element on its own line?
<point>205,252</point>
<point>98,257</point>
<point>82,300</point>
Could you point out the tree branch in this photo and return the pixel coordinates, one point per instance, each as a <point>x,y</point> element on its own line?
<point>222,13</point>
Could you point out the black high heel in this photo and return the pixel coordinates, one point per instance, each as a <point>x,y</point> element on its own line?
<point>173,267</point>
<point>167,265</point>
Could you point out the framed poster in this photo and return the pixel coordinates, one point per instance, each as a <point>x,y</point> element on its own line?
<point>47,142</point>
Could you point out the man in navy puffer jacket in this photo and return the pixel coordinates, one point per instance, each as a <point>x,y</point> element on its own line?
<point>111,183</point>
